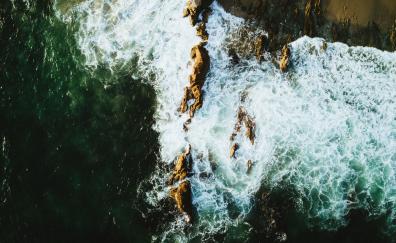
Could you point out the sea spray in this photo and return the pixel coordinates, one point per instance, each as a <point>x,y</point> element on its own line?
<point>327,127</point>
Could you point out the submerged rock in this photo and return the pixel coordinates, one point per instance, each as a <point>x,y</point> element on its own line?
<point>249,166</point>
<point>285,58</point>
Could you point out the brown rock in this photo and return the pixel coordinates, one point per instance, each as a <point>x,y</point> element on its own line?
<point>201,31</point>
<point>234,148</point>
<point>182,196</point>
<point>260,46</point>
<point>284,62</point>
<point>194,8</point>
<point>243,117</point>
<point>197,78</point>
<point>182,167</point>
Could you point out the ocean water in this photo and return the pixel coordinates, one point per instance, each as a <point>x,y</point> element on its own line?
<point>325,130</point>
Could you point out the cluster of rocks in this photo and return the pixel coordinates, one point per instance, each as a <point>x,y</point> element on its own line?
<point>200,56</point>
<point>243,118</point>
<point>198,11</point>
<point>181,188</point>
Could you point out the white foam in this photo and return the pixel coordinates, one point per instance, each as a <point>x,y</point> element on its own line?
<point>327,127</point>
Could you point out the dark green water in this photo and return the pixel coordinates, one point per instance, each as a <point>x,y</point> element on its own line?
<point>72,152</point>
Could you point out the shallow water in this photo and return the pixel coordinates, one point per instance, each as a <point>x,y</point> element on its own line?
<point>326,129</point>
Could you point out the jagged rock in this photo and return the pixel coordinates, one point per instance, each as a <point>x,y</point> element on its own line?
<point>182,196</point>
<point>197,78</point>
<point>194,8</point>
<point>201,31</point>
<point>284,62</point>
<point>182,192</point>
<point>250,127</point>
<point>182,167</point>
<point>233,150</point>
<point>244,118</point>
<point>261,42</point>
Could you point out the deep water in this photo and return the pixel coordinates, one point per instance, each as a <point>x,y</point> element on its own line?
<point>73,149</point>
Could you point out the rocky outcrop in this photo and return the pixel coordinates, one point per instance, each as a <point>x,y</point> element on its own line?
<point>194,8</point>
<point>244,118</point>
<point>182,167</point>
<point>197,78</point>
<point>182,196</point>
<point>233,150</point>
<point>181,188</point>
<point>285,58</point>
<point>260,46</point>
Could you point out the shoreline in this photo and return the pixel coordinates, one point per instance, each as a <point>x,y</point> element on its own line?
<point>372,24</point>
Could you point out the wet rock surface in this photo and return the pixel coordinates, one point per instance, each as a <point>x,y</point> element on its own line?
<point>200,57</point>
<point>367,22</point>
<point>182,197</point>
<point>194,8</point>
<point>243,118</point>
<point>285,58</point>
<point>181,188</point>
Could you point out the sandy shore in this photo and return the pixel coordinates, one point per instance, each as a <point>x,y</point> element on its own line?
<point>355,22</point>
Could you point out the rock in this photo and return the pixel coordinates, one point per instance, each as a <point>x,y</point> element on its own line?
<point>182,192</point>
<point>182,196</point>
<point>201,31</point>
<point>182,167</point>
<point>260,44</point>
<point>243,117</point>
<point>249,166</point>
<point>250,128</point>
<point>234,148</point>
<point>284,62</point>
<point>197,78</point>
<point>194,8</point>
